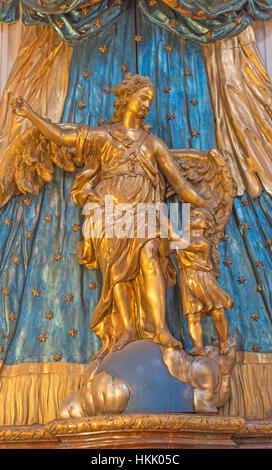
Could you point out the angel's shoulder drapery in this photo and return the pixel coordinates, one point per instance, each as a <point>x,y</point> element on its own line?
<point>90,142</point>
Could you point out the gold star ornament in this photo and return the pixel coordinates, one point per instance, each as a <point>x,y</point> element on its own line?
<point>36,292</point>
<point>73,332</point>
<point>42,338</point>
<point>12,316</point>
<point>27,201</point>
<point>138,38</point>
<point>76,228</point>
<point>227,262</point>
<point>81,105</point>
<point>259,263</point>
<point>60,24</point>
<point>187,72</point>
<point>57,357</point>
<point>194,102</point>
<point>103,49</point>
<point>49,315</point>
<point>255,316</point>
<point>98,24</point>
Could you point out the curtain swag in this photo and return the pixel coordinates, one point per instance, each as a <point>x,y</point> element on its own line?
<point>203,21</point>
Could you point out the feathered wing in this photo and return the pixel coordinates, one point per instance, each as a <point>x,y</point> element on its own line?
<point>29,163</point>
<point>210,176</point>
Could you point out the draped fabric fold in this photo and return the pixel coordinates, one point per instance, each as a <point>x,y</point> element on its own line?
<point>242,101</point>
<point>203,21</point>
<point>40,74</point>
<point>10,41</point>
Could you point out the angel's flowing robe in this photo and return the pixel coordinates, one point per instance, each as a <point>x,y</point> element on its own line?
<point>114,170</point>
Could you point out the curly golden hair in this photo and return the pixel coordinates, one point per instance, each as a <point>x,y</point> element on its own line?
<point>124,90</point>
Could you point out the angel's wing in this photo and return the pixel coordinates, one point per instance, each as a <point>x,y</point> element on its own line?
<point>29,164</point>
<point>210,176</point>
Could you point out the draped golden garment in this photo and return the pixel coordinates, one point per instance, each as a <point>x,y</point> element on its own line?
<point>129,178</point>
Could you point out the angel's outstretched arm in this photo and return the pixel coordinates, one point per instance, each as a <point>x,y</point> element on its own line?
<point>53,132</point>
<point>170,170</point>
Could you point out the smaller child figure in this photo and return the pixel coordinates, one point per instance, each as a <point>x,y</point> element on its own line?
<point>201,294</point>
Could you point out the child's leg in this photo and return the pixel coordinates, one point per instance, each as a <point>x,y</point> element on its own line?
<point>195,332</point>
<point>221,326</point>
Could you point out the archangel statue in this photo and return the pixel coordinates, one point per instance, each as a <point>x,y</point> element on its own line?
<point>125,161</point>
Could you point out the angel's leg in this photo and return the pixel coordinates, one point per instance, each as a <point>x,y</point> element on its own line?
<point>152,290</point>
<point>221,326</point>
<point>124,300</point>
<point>195,332</point>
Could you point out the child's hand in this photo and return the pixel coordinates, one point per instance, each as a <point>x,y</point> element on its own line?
<point>20,107</point>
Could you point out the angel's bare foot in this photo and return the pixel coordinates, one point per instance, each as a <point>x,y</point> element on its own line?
<point>164,338</point>
<point>126,337</point>
<point>224,348</point>
<point>197,351</point>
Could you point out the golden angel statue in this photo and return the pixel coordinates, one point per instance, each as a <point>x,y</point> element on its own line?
<point>124,160</point>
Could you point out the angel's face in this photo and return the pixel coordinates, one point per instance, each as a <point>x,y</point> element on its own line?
<point>139,102</point>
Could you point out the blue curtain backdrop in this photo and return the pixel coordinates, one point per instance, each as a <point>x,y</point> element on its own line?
<point>47,298</point>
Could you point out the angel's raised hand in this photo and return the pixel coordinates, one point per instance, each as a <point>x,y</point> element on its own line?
<point>20,107</point>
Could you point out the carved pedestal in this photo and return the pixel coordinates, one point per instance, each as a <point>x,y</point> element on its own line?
<point>141,431</point>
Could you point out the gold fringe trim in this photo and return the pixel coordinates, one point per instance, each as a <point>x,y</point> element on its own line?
<point>32,393</point>
<point>251,390</point>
